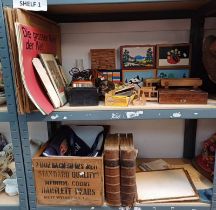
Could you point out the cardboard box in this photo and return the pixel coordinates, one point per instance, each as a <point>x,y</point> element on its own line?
<point>116,100</point>
<point>68,180</point>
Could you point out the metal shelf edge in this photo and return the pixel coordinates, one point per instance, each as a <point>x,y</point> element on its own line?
<point>7,117</point>
<point>71,2</point>
<point>157,207</point>
<point>124,114</point>
<point>9,207</point>
<point>62,2</point>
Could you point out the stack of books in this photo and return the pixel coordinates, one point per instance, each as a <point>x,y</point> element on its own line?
<point>120,170</point>
<point>128,170</point>
<point>35,45</point>
<point>112,170</point>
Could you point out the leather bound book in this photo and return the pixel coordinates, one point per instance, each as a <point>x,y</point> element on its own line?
<point>112,170</point>
<point>127,170</point>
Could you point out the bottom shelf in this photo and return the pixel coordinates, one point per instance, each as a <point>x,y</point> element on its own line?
<point>199,181</point>
<point>6,200</point>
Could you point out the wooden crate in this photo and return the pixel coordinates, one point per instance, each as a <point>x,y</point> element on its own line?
<point>68,180</point>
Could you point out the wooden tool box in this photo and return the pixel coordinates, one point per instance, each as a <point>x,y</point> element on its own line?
<point>182,91</point>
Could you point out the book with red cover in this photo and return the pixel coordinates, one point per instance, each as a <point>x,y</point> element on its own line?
<point>31,42</point>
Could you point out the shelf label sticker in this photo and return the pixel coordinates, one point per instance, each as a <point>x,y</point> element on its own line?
<point>33,5</point>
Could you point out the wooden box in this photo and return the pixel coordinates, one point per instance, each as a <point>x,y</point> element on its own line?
<point>182,96</point>
<point>68,180</point>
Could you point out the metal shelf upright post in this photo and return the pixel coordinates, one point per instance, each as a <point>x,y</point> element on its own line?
<point>10,116</point>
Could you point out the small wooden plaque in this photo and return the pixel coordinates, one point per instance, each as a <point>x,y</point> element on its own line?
<point>103,59</point>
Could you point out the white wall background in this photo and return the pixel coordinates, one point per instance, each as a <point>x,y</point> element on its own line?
<point>79,38</point>
<point>153,138</point>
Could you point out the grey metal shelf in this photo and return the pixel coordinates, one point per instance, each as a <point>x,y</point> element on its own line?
<point>72,10</point>
<point>59,2</point>
<point>9,208</point>
<point>97,10</point>
<point>125,114</point>
<point>56,10</point>
<point>6,117</point>
<point>122,10</point>
<point>84,2</point>
<point>173,207</point>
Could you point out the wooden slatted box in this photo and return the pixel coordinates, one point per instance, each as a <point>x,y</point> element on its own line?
<point>68,180</point>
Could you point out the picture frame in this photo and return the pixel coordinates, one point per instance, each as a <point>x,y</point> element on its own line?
<point>54,73</point>
<point>111,75</point>
<point>137,57</point>
<point>137,76</point>
<point>173,73</point>
<point>174,56</point>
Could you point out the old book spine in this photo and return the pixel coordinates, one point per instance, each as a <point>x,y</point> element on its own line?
<point>112,171</point>
<point>128,172</point>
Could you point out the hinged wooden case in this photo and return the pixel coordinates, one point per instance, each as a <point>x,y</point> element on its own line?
<point>182,96</point>
<point>182,91</point>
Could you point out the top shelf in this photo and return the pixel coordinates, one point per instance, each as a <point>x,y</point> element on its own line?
<point>107,6</point>
<point>123,10</point>
<point>58,2</point>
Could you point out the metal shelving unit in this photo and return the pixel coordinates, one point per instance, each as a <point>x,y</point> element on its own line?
<point>62,11</point>
<point>9,114</point>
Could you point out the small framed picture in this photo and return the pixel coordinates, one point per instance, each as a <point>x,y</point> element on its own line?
<point>111,75</point>
<point>174,56</point>
<point>137,76</point>
<point>173,73</point>
<point>137,57</point>
<point>54,73</point>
